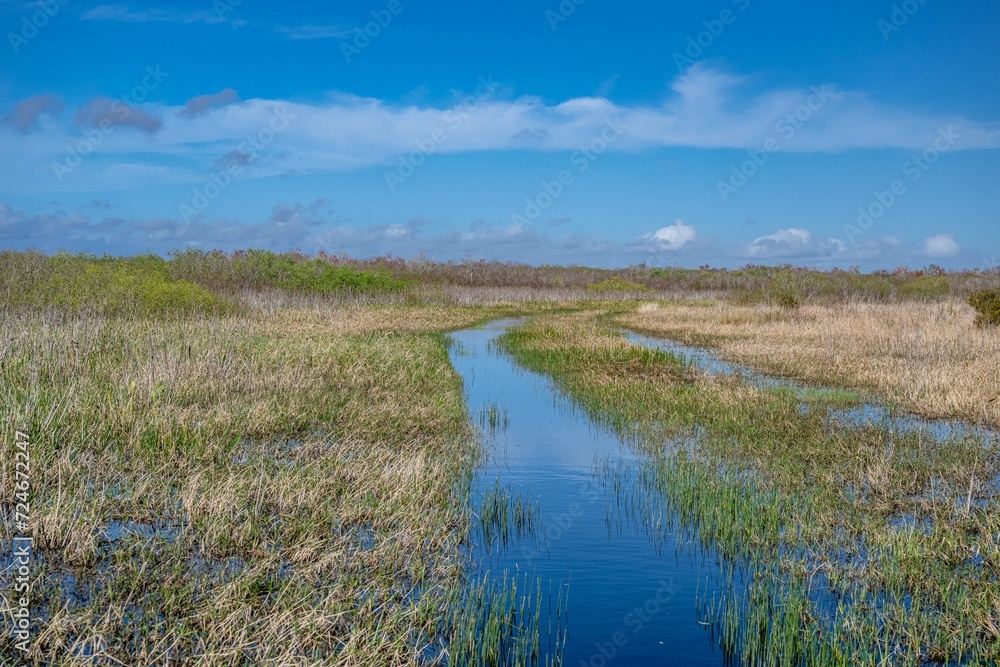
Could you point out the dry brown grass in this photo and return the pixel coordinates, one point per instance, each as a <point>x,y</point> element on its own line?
<point>292,475</point>
<point>900,525</point>
<point>928,356</point>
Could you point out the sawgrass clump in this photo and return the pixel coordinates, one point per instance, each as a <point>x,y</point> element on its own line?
<point>235,488</point>
<point>862,544</point>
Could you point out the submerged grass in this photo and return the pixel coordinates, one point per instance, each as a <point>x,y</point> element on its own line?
<point>865,545</point>
<point>930,357</point>
<point>287,486</point>
<point>504,515</point>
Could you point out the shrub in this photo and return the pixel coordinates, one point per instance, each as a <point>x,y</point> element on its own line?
<point>787,300</point>
<point>262,269</point>
<point>987,305</point>
<point>104,285</point>
<point>617,284</point>
<point>926,288</point>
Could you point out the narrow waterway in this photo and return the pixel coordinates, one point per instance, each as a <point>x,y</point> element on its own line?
<point>868,412</point>
<point>632,600</point>
<point>640,590</point>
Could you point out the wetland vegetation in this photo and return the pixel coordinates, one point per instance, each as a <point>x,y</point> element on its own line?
<point>249,458</point>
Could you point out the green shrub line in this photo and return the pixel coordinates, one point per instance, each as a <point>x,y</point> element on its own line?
<point>108,286</point>
<point>987,306</point>
<point>263,269</point>
<point>195,280</point>
<point>190,281</point>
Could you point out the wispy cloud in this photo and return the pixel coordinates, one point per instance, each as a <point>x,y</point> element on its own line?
<point>104,111</point>
<point>122,13</point>
<point>126,14</point>
<point>314,31</point>
<point>707,109</point>
<point>26,113</point>
<point>200,104</point>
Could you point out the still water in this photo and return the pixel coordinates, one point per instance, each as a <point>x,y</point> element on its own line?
<point>631,600</point>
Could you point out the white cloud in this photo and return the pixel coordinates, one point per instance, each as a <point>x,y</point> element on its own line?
<point>942,246</point>
<point>707,109</point>
<point>125,14</point>
<point>672,238</point>
<point>795,243</point>
<point>319,226</point>
<point>315,31</point>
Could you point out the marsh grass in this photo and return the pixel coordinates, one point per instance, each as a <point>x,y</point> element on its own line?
<point>236,488</point>
<point>864,544</point>
<point>501,622</point>
<point>504,515</point>
<point>928,357</point>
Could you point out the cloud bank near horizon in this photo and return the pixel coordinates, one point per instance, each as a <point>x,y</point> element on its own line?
<point>707,108</point>
<point>319,226</point>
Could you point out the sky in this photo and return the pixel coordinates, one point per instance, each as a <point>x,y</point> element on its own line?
<point>719,132</point>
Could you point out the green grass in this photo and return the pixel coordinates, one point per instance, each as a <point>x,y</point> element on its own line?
<point>263,269</point>
<point>105,286</point>
<point>294,481</point>
<point>900,527</point>
<point>504,515</point>
<point>298,494</point>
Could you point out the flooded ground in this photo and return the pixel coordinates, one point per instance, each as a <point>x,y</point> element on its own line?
<point>564,500</point>
<point>631,599</point>
<point>867,412</point>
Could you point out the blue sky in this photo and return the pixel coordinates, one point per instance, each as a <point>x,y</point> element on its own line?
<point>720,132</point>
